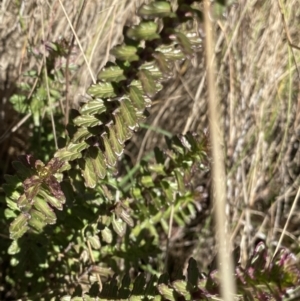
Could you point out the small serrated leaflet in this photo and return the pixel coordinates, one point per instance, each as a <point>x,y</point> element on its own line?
<point>137,98</point>
<point>19,226</point>
<point>95,106</point>
<point>125,53</point>
<point>81,135</point>
<point>88,172</point>
<point>166,292</point>
<point>102,90</point>
<point>118,226</point>
<point>157,9</point>
<point>152,67</point>
<point>98,161</point>
<point>95,242</point>
<point>37,220</point>
<point>146,30</point>
<point>111,157</point>
<point>163,64</point>
<point>114,142</point>
<point>52,200</point>
<point>148,83</point>
<point>112,74</point>
<point>128,113</point>
<point>184,43</point>
<point>42,206</point>
<point>106,235</point>
<point>87,121</point>
<point>67,155</point>
<point>123,133</point>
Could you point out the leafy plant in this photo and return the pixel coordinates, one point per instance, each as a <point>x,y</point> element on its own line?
<point>262,279</point>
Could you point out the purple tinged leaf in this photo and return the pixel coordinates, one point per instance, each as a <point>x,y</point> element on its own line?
<point>55,165</point>
<point>55,189</point>
<point>31,187</point>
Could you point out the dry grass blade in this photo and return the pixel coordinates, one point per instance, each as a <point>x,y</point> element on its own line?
<point>78,41</point>
<point>218,172</point>
<point>284,231</point>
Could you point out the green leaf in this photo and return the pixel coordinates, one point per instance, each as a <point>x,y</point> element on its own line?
<point>88,172</point>
<point>125,53</point>
<point>95,106</point>
<point>180,183</point>
<point>42,206</point>
<point>71,152</point>
<point>14,248</point>
<point>125,216</point>
<point>163,64</point>
<point>112,74</point>
<point>180,287</point>
<point>137,98</point>
<point>52,200</point>
<point>98,161</point>
<point>146,181</point>
<point>171,52</point>
<point>78,147</point>
<point>19,226</point>
<point>166,292</point>
<point>81,134</point>
<point>118,226</point>
<point>123,133</point>
<point>144,31</point>
<point>184,43</point>
<point>152,67</point>
<point>67,155</point>
<point>106,235</point>
<point>167,190</point>
<point>114,142</point>
<point>128,113</point>
<point>111,157</point>
<point>102,90</point>
<point>148,83</point>
<point>12,196</point>
<point>19,103</point>
<point>86,121</point>
<point>37,220</point>
<point>157,9</point>
<point>95,242</point>
<point>24,203</point>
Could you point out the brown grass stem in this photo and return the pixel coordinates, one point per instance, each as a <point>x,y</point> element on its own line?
<point>218,170</point>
